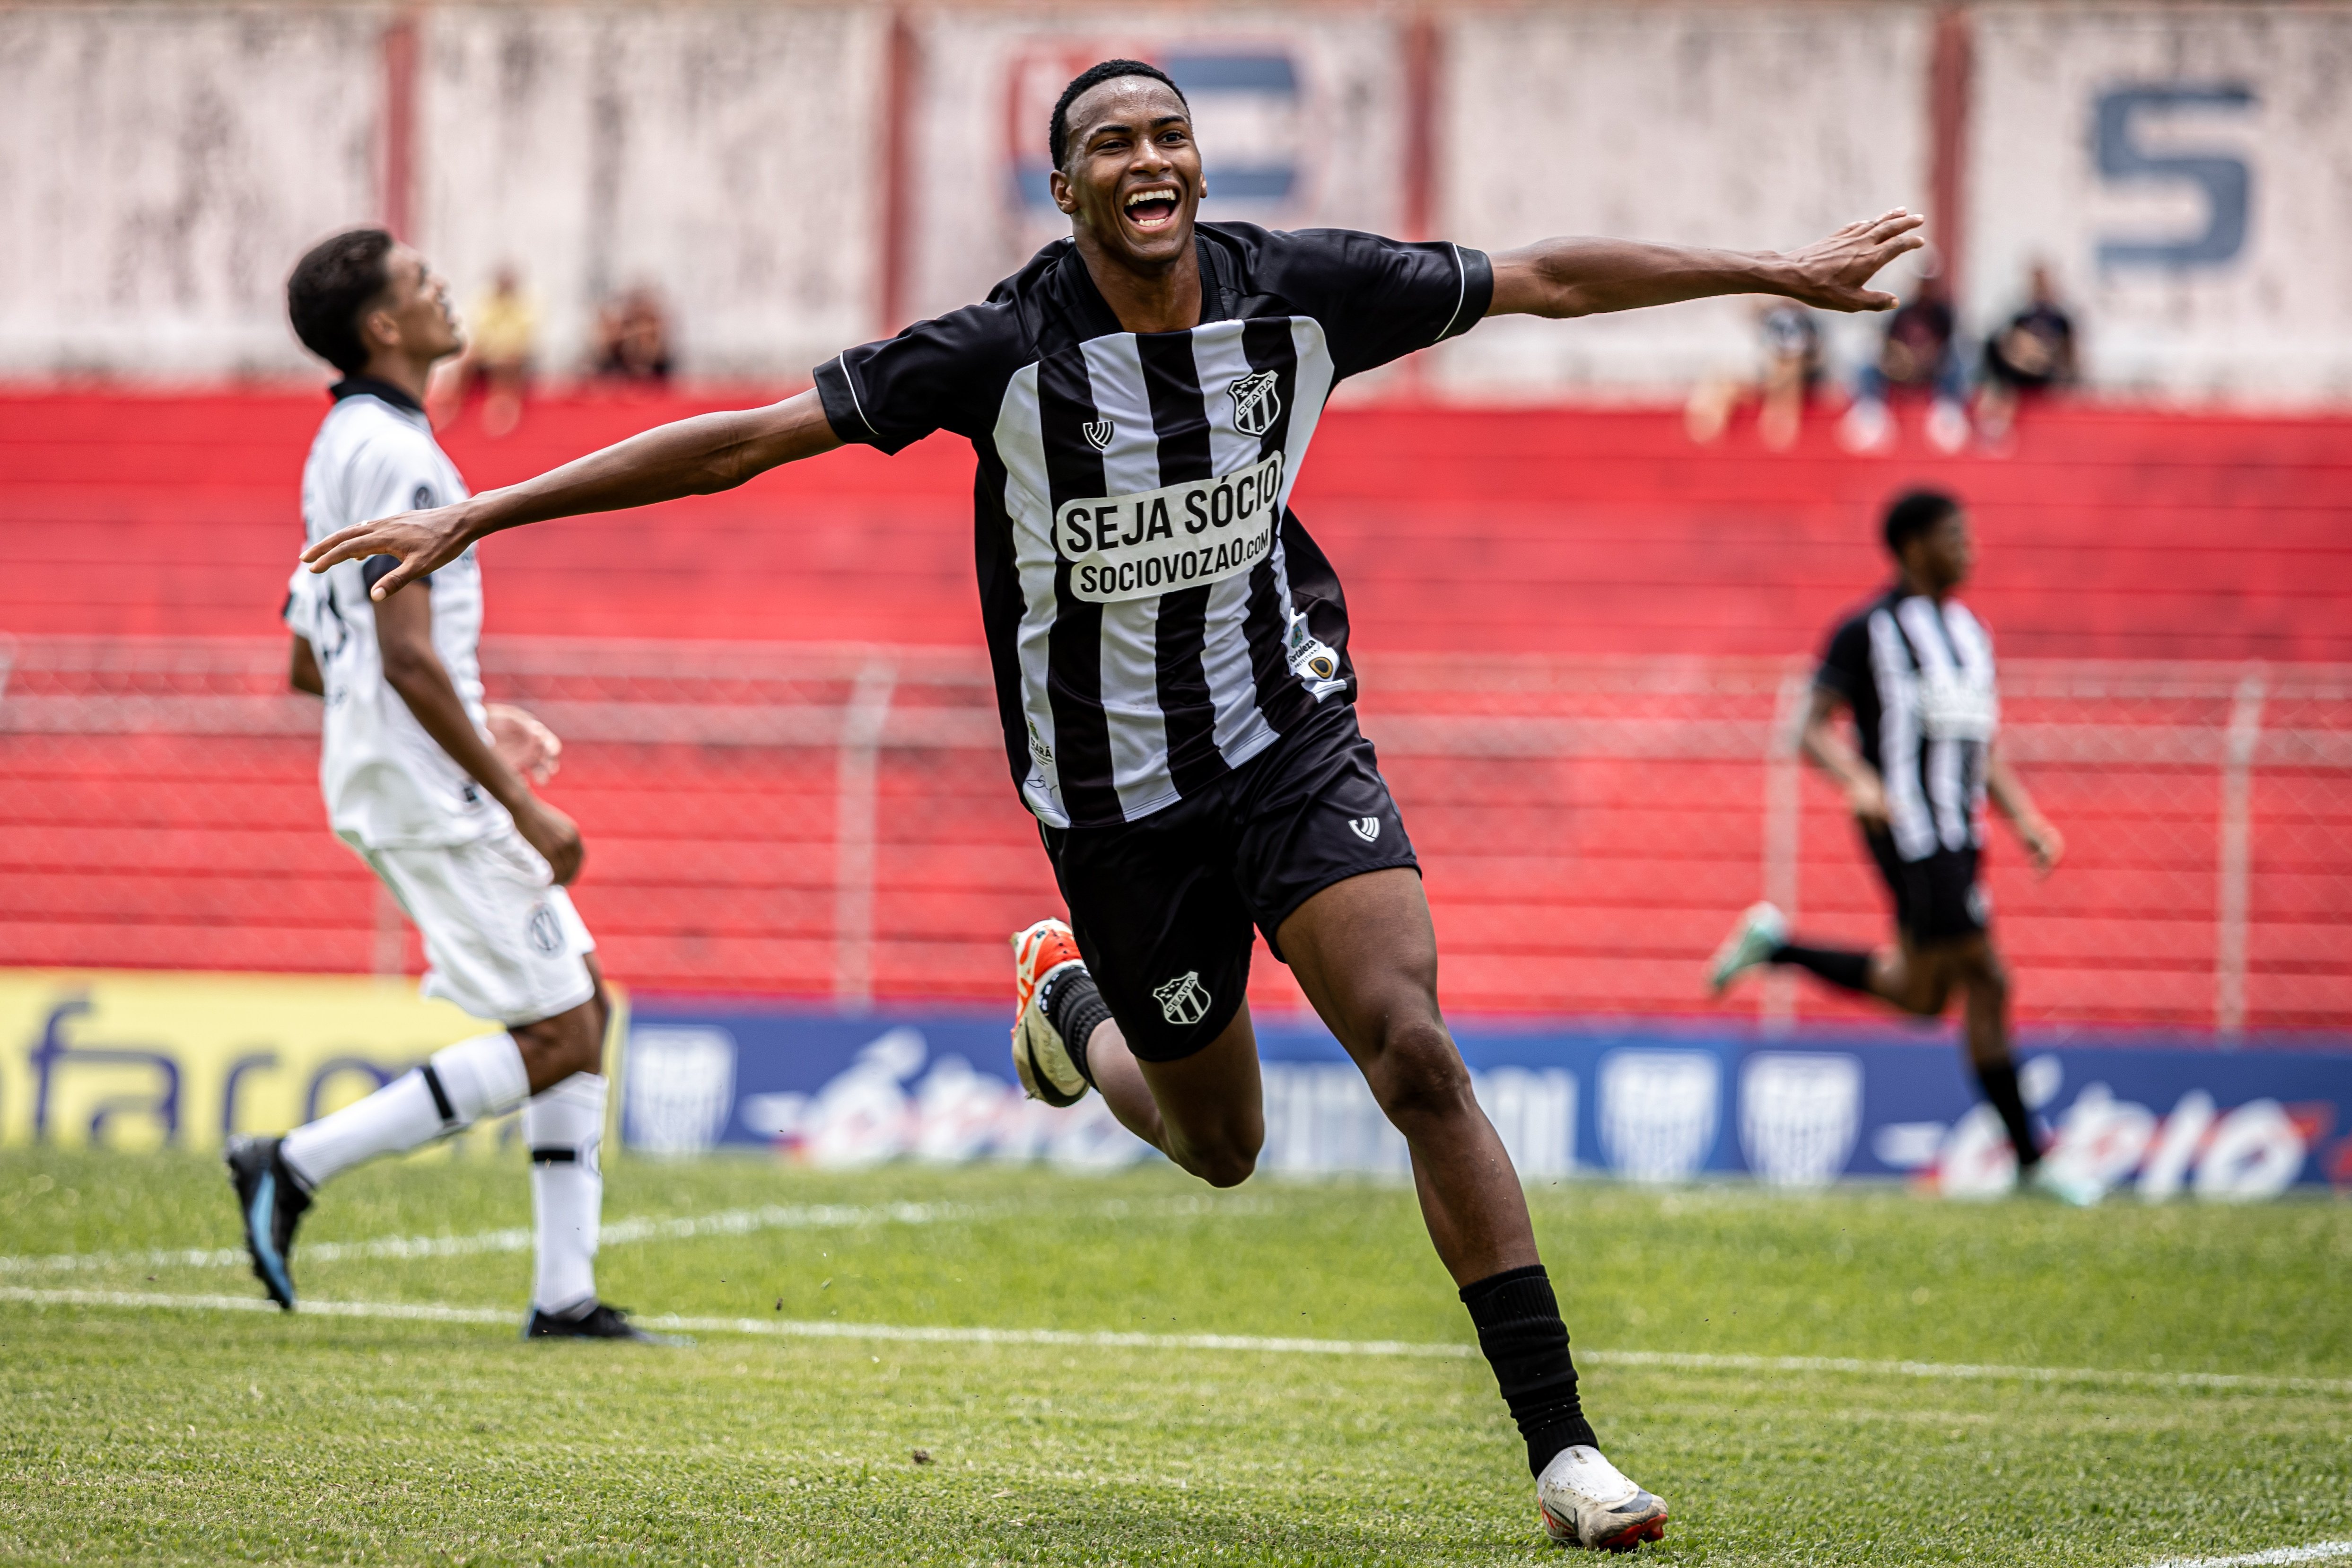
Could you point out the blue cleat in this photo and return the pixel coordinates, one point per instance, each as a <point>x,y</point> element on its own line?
<point>271,1200</point>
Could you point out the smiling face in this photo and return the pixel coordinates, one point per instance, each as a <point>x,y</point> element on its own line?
<point>1130,174</point>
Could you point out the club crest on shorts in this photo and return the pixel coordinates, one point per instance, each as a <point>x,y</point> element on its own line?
<point>1183,1001</point>
<point>1367,828</point>
<point>1098,433</point>
<point>546,936</point>
<point>1257,401</point>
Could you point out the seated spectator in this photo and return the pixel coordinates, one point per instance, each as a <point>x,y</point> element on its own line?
<point>632,341</point>
<point>2033,353</point>
<point>1790,365</point>
<point>1917,354</point>
<point>503,333</point>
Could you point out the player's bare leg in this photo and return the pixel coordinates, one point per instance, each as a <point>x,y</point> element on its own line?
<point>1366,954</point>
<point>1206,1111</point>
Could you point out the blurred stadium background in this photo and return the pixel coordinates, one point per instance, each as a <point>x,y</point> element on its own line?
<point>1584,634</point>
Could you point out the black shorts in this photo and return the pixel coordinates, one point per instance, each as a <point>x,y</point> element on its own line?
<point>1937,899</point>
<point>1162,908</point>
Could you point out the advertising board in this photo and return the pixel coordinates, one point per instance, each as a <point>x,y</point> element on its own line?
<point>2159,1117</point>
<point>149,1060</point>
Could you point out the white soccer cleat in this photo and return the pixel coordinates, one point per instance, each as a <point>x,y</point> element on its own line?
<point>1587,1502</point>
<point>1753,941</point>
<point>1040,1059</point>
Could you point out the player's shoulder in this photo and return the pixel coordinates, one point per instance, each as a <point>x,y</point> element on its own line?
<point>361,427</point>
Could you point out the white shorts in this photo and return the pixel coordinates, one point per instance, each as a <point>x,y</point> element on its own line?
<point>501,940</point>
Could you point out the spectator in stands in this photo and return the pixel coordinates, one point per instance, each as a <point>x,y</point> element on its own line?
<point>2033,353</point>
<point>632,337</point>
<point>1790,365</point>
<point>1917,355</point>
<point>505,334</point>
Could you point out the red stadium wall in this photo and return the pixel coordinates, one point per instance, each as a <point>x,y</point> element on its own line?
<point>1507,542</point>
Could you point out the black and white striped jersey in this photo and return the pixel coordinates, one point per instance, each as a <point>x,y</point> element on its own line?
<point>1156,616</point>
<point>1920,678</point>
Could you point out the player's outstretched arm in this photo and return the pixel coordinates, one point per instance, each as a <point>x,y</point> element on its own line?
<point>688,457</point>
<point>1562,278</point>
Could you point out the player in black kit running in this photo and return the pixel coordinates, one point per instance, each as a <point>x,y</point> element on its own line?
<point>1171,654</point>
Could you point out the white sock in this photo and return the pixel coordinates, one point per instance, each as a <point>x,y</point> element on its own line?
<point>459,1085</point>
<point>563,1126</point>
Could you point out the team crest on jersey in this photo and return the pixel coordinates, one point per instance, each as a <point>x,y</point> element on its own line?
<point>422,499</point>
<point>1368,828</point>
<point>1183,1001</point>
<point>1257,401</point>
<point>546,936</point>
<point>1098,433</point>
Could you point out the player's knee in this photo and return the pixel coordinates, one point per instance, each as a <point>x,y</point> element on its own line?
<point>1227,1165</point>
<point>1418,1076</point>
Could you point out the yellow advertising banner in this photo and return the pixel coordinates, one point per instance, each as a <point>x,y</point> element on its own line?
<point>139,1059</point>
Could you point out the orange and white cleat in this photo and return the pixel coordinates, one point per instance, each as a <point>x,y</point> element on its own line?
<point>1586,1502</point>
<point>1040,1058</point>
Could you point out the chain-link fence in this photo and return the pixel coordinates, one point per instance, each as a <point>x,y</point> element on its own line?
<point>839,821</point>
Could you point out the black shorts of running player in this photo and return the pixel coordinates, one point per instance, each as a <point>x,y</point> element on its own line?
<point>1162,908</point>
<point>1937,899</point>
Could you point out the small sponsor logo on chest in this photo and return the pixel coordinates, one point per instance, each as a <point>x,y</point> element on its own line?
<point>1180,536</point>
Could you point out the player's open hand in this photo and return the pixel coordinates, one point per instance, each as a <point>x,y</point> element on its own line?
<point>522,743</point>
<point>556,837</point>
<point>423,540</point>
<point>1866,798</point>
<point>1834,273</point>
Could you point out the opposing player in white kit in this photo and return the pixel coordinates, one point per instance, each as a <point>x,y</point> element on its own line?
<point>426,783</point>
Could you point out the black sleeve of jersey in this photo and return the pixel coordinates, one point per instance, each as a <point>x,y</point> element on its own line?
<point>948,374</point>
<point>1378,300</point>
<point>1845,663</point>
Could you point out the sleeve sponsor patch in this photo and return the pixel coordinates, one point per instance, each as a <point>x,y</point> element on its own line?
<point>1180,536</point>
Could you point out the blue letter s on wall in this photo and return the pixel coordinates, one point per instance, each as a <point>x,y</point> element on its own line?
<point>2225,179</point>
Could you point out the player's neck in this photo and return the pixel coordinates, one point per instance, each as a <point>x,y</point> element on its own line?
<point>400,370</point>
<point>1938,592</point>
<point>1160,300</point>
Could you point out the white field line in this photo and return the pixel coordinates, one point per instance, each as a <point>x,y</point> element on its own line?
<point>730,1222</point>
<point>1104,1339</point>
<point>2318,1551</point>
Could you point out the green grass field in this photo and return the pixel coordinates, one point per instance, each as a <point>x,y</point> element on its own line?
<point>155,1433</point>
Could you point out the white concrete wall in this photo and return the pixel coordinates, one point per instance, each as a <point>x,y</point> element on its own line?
<point>162,169</point>
<point>1748,126</point>
<point>729,154</point>
<point>2271,322</point>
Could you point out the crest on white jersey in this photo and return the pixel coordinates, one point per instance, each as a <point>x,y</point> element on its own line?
<point>1367,828</point>
<point>1257,401</point>
<point>1098,433</point>
<point>1183,1000</point>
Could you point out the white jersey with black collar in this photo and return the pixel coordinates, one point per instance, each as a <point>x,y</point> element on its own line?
<point>387,784</point>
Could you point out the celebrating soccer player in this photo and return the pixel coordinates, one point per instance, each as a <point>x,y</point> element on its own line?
<point>1171,652</point>
<point>427,784</point>
<point>1915,669</point>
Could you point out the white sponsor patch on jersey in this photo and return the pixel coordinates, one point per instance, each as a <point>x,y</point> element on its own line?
<point>1178,536</point>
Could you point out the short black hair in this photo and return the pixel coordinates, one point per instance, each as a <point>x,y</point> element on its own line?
<point>1913,513</point>
<point>331,286</point>
<point>1095,76</point>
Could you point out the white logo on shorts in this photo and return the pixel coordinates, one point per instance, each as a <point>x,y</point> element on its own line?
<point>1183,1001</point>
<point>1367,828</point>
<point>1098,433</point>
<point>546,936</point>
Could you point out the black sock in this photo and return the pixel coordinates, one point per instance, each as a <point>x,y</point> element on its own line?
<point>1074,1006</point>
<point>1999,1081</point>
<point>1519,1328</point>
<point>1841,966</point>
